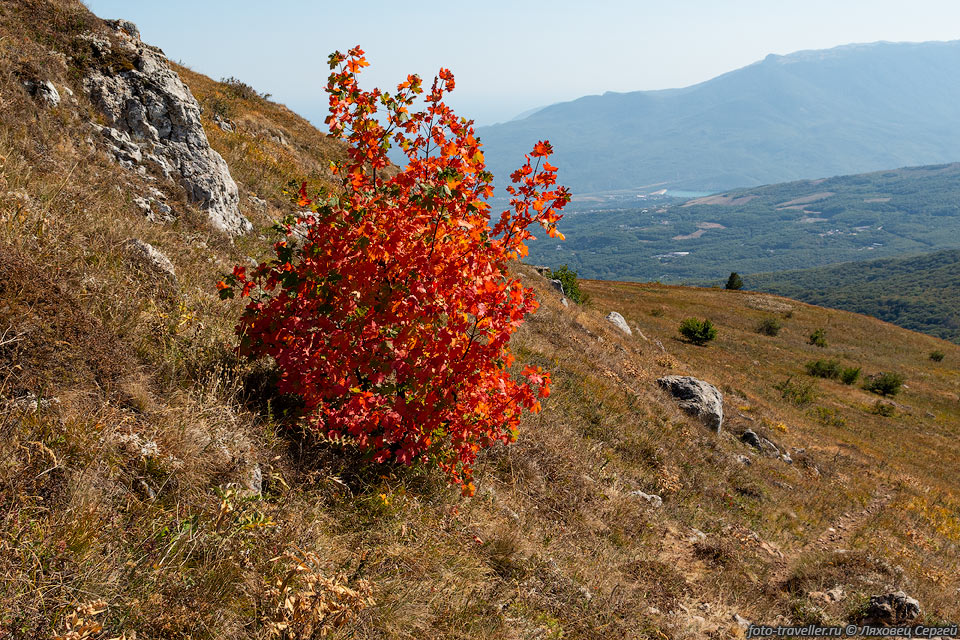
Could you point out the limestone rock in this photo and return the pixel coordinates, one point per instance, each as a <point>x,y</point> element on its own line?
<point>696,397</point>
<point>150,109</point>
<point>150,257</point>
<point>617,320</point>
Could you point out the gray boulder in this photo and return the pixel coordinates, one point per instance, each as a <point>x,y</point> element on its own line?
<point>150,109</point>
<point>617,320</point>
<point>892,608</point>
<point>696,397</point>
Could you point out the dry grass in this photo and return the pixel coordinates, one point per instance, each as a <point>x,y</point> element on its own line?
<point>123,502</point>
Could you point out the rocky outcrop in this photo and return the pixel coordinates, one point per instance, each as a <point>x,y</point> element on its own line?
<point>152,117</point>
<point>696,397</point>
<point>617,320</point>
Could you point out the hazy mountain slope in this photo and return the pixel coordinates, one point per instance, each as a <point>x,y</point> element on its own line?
<point>920,293</point>
<point>793,225</point>
<point>806,115</point>
<point>133,441</point>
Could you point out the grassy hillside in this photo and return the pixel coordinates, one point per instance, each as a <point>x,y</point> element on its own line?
<point>921,293</point>
<point>130,430</point>
<point>809,114</point>
<point>795,225</point>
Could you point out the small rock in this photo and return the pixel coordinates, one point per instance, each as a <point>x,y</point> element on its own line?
<point>145,489</point>
<point>741,622</point>
<point>558,285</point>
<point>836,594</point>
<point>892,609</point>
<point>31,403</point>
<point>697,398</point>
<point>786,458</point>
<point>259,203</point>
<point>617,320</point>
<point>150,256</point>
<point>126,27</point>
<point>750,438</point>
<point>138,447</point>
<point>564,302</point>
<point>654,500</point>
<point>252,480</point>
<point>744,460</point>
<point>769,447</point>
<point>48,93</point>
<point>224,125</point>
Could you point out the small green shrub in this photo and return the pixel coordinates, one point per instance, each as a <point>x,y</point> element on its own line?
<point>884,384</point>
<point>885,409</point>
<point>828,417</point>
<point>819,338</point>
<point>769,327</point>
<point>823,368</point>
<point>571,287</point>
<point>699,332</point>
<point>849,375</point>
<point>937,356</point>
<point>799,393</point>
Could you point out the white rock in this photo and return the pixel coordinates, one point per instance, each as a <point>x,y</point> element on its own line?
<point>617,320</point>
<point>157,112</point>
<point>150,256</point>
<point>654,500</point>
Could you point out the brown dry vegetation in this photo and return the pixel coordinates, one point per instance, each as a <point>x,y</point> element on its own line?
<point>553,545</point>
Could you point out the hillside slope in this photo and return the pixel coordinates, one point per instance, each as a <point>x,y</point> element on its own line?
<point>793,225</point>
<point>809,114</point>
<point>152,484</point>
<point>921,293</point>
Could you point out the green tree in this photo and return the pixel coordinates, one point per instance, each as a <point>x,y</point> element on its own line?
<point>734,281</point>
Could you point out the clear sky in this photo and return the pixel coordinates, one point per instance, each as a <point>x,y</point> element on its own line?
<point>509,57</point>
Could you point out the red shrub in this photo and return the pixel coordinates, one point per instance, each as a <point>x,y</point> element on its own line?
<point>388,308</point>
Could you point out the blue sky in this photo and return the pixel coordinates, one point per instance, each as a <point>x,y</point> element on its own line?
<point>509,57</point>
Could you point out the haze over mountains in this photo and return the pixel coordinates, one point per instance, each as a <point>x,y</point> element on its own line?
<point>810,114</point>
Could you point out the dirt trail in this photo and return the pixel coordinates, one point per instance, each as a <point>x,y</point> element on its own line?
<point>834,537</point>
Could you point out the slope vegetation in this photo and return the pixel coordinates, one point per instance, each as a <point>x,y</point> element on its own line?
<point>809,114</point>
<point>152,483</point>
<point>921,293</point>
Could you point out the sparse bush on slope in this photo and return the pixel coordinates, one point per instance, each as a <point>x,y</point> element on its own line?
<point>388,308</point>
<point>699,332</point>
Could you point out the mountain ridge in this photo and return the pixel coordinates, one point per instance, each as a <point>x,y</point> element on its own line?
<point>803,115</point>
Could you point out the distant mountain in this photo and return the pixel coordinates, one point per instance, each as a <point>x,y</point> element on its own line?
<point>809,114</point>
<point>920,293</point>
<point>795,225</point>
